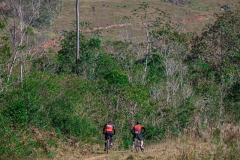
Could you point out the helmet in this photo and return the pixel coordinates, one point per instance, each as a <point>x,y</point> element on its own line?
<point>138,122</point>
<point>109,121</point>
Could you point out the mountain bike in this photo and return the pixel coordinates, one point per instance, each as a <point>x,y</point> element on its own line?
<point>108,145</point>
<point>136,145</point>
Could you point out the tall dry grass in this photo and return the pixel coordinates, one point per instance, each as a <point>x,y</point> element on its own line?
<point>225,140</point>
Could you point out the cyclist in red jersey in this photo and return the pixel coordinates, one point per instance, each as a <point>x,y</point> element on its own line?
<point>136,131</point>
<point>109,131</point>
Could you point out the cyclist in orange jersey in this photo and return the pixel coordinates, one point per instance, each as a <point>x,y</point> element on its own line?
<point>136,131</point>
<point>109,131</point>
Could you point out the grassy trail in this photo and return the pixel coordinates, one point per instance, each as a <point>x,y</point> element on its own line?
<point>182,148</point>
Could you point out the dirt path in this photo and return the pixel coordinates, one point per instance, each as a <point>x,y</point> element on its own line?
<point>198,17</point>
<point>171,150</point>
<point>49,43</point>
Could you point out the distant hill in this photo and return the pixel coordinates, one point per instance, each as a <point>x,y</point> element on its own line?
<point>193,15</point>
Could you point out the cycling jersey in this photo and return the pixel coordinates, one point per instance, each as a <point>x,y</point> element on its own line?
<point>109,128</point>
<point>137,128</point>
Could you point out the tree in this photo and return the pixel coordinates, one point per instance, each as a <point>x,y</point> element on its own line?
<point>214,62</point>
<point>145,13</point>
<point>4,52</point>
<point>67,55</point>
<point>20,18</point>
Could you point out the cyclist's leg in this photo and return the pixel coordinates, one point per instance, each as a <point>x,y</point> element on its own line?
<point>134,136</point>
<point>139,137</point>
<point>111,138</point>
<point>141,140</point>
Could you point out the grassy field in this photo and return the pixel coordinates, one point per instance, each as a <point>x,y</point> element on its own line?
<point>104,13</point>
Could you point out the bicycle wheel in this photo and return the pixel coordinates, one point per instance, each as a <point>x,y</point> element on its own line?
<point>140,146</point>
<point>137,144</point>
<point>107,145</point>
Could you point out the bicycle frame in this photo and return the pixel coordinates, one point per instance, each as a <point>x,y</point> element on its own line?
<point>108,146</point>
<point>136,144</point>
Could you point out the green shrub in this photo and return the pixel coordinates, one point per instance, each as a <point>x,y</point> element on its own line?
<point>105,65</point>
<point>63,118</point>
<point>116,77</point>
<point>154,133</point>
<point>12,145</point>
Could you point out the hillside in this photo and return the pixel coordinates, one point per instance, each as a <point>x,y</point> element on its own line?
<point>173,65</point>
<point>192,15</point>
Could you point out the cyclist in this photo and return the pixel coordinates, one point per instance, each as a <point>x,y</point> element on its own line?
<point>136,131</point>
<point>109,131</point>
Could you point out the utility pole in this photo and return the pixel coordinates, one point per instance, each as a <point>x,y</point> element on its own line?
<point>77,31</point>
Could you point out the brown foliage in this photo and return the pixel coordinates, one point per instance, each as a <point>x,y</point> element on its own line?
<point>229,132</point>
<point>39,137</point>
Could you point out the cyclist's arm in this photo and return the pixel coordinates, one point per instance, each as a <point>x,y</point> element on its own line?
<point>114,130</point>
<point>144,129</point>
<point>104,129</point>
<point>132,130</point>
